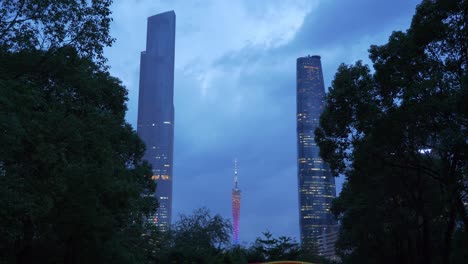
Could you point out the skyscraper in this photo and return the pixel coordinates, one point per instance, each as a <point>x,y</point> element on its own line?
<point>156,108</point>
<point>316,184</point>
<point>236,204</point>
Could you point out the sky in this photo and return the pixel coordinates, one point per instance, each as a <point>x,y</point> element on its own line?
<point>235,91</point>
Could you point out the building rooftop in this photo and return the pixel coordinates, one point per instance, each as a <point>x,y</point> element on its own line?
<point>167,13</point>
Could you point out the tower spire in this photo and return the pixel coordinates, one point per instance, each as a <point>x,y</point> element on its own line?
<point>236,204</point>
<point>235,174</point>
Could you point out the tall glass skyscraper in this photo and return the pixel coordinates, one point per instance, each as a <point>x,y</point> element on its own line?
<point>316,184</point>
<point>156,108</point>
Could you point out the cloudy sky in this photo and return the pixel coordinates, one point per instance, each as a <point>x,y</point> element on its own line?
<point>235,91</point>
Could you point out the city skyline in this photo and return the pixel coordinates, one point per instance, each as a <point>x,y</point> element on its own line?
<point>156,109</point>
<point>235,88</point>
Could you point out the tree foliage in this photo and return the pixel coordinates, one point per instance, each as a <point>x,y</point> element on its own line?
<point>71,175</point>
<point>49,25</point>
<point>205,238</point>
<point>196,238</point>
<point>399,135</point>
<point>273,249</point>
<point>71,166</point>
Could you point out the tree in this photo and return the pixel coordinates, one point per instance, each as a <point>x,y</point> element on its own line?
<point>238,254</point>
<point>72,172</point>
<point>281,248</point>
<point>71,175</point>
<point>197,238</point>
<point>399,135</point>
<point>204,238</point>
<point>269,248</point>
<point>50,25</point>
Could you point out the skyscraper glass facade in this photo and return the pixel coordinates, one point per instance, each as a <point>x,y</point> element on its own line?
<point>315,183</point>
<point>156,109</point>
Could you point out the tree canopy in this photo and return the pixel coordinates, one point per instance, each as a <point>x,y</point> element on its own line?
<point>71,175</point>
<point>197,238</point>
<point>49,25</point>
<point>202,237</point>
<point>399,134</point>
<point>270,248</point>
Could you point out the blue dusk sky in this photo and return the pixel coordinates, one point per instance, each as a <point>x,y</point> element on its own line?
<point>235,91</point>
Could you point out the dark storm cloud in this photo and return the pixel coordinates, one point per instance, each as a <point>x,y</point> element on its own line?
<point>342,22</point>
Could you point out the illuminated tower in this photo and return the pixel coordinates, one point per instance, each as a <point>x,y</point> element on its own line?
<point>156,109</point>
<point>315,183</point>
<point>236,204</point>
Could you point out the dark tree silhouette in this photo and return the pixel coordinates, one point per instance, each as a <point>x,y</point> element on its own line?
<point>399,135</point>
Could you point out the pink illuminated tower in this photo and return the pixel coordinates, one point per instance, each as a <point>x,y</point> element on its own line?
<point>236,204</point>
